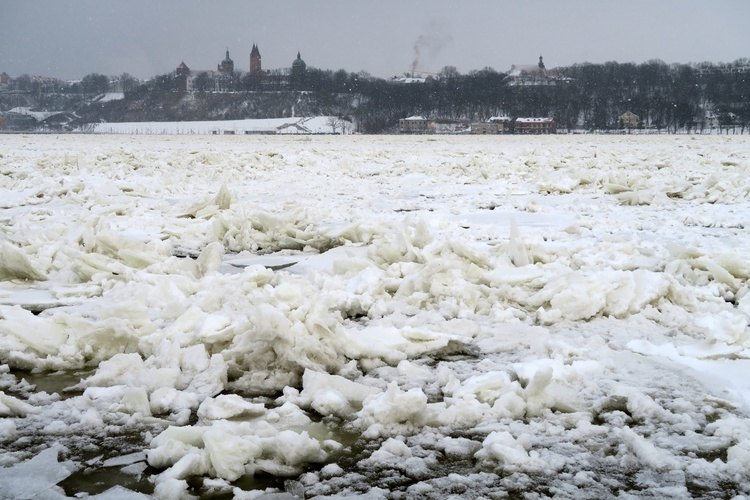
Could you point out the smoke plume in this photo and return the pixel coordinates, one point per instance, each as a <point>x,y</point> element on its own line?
<point>435,37</point>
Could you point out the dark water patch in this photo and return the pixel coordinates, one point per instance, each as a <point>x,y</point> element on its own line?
<point>93,452</point>
<point>61,383</point>
<point>186,253</point>
<point>93,481</point>
<point>711,455</point>
<point>698,488</point>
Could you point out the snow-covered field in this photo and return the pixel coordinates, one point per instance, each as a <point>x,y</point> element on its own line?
<point>392,317</point>
<point>288,126</point>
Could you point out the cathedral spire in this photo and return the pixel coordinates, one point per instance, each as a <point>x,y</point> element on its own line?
<point>255,60</point>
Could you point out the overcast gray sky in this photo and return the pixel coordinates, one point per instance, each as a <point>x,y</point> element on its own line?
<point>70,39</point>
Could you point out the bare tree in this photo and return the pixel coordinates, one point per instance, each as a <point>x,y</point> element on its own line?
<point>345,126</point>
<point>128,82</point>
<point>94,83</point>
<point>333,122</point>
<point>203,82</point>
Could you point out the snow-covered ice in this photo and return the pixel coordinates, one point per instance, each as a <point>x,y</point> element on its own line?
<point>389,317</point>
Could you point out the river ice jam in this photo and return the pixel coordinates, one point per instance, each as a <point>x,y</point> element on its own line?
<point>388,317</point>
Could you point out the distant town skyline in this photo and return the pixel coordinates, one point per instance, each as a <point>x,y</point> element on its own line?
<point>70,39</point>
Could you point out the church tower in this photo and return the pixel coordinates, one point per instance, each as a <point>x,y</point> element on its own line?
<point>298,65</point>
<point>227,65</point>
<point>255,65</point>
<point>297,76</point>
<point>541,63</point>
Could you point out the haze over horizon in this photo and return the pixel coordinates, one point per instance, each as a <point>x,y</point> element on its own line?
<point>72,39</point>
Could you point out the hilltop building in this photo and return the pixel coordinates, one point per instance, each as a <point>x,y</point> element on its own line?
<point>26,83</point>
<point>535,74</point>
<point>538,70</point>
<point>298,65</point>
<point>225,77</point>
<point>227,65</point>
<point>299,70</point>
<point>182,70</point>
<point>708,69</point>
<point>202,79</point>
<point>410,79</point>
<point>256,66</point>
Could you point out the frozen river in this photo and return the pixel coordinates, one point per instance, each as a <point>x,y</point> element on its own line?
<point>390,317</point>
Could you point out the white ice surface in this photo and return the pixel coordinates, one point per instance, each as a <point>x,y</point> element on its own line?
<point>511,315</point>
<point>36,478</point>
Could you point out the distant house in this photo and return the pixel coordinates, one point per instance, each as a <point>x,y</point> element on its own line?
<point>534,126</point>
<point>507,125</point>
<point>12,121</point>
<point>448,126</point>
<point>495,125</point>
<point>628,120</point>
<point>711,120</point>
<point>486,128</point>
<point>5,81</point>
<point>416,125</point>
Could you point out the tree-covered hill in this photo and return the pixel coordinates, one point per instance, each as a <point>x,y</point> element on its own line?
<point>678,97</point>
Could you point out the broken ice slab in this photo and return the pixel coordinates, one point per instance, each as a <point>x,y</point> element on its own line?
<point>273,262</point>
<point>296,263</point>
<point>128,459</point>
<point>36,298</point>
<point>37,477</point>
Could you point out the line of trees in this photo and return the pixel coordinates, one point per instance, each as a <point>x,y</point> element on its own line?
<point>589,96</point>
<point>91,84</point>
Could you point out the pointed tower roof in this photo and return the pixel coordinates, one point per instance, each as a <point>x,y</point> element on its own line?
<point>255,51</point>
<point>298,63</point>
<point>182,69</point>
<point>227,58</point>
